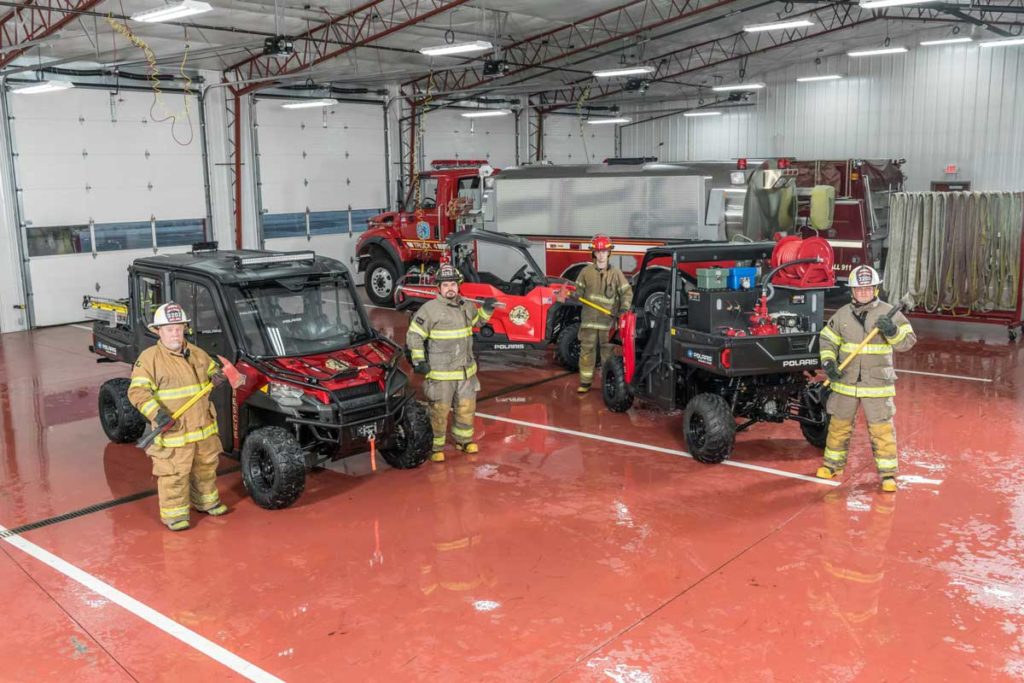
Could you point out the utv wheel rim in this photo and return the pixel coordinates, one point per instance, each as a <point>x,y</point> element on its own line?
<point>109,408</point>
<point>696,432</point>
<point>264,468</point>
<point>380,281</point>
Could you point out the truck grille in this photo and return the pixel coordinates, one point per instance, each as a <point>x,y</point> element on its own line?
<point>360,391</point>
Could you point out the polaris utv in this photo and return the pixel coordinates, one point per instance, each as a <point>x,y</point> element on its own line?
<point>721,353</point>
<point>533,311</point>
<point>321,383</point>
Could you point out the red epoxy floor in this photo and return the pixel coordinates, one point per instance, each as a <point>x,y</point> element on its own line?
<point>550,556</point>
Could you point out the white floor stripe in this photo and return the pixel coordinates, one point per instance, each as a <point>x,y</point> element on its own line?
<point>381,308</point>
<point>659,449</point>
<point>144,612</point>
<point>939,374</point>
<point>83,327</point>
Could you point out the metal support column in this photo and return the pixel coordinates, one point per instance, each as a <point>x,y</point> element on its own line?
<point>15,211</point>
<point>257,192</point>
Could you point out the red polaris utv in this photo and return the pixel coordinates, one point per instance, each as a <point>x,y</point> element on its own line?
<point>320,381</point>
<point>532,312</point>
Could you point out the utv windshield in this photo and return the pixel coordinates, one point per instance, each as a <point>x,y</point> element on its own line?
<point>299,316</point>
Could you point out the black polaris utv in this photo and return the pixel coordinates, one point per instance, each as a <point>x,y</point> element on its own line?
<point>718,354</point>
<point>320,381</point>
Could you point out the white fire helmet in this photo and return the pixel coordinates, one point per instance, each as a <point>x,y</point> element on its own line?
<point>864,276</point>
<point>169,313</point>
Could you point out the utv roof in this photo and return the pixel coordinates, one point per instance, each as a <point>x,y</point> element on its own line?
<point>245,265</point>
<point>504,238</point>
<point>692,250</point>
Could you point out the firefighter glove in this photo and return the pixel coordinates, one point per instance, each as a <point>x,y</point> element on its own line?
<point>832,371</point>
<point>218,379</point>
<point>886,326</point>
<point>421,368</point>
<point>489,304</point>
<point>163,420</point>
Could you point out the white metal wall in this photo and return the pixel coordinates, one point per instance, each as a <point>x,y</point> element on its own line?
<point>89,157</point>
<point>956,104</point>
<point>566,142</point>
<point>329,162</point>
<point>449,135</point>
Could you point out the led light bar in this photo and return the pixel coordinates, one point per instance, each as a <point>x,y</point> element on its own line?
<point>810,79</point>
<point>456,48</point>
<point>947,41</point>
<point>740,86</point>
<point>1008,42</point>
<point>625,71</point>
<point>598,122</point>
<point>290,257</point>
<point>875,4</point>
<point>185,8</point>
<point>701,113</point>
<point>879,51</point>
<point>778,25</point>
<point>485,113</point>
<point>43,87</point>
<point>311,104</point>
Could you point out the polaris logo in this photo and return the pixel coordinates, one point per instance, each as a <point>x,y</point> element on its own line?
<point>799,363</point>
<point>509,347</point>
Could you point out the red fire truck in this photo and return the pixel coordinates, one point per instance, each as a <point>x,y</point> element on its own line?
<point>640,204</point>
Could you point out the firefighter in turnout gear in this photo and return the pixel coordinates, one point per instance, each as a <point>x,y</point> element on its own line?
<point>606,286</point>
<point>186,453</point>
<point>868,380</point>
<point>440,341</point>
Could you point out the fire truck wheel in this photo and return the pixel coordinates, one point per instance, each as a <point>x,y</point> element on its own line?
<point>122,423</point>
<point>651,296</point>
<point>273,467</point>
<point>709,428</point>
<point>618,397</point>
<point>567,347</point>
<point>381,277</point>
<point>409,443</point>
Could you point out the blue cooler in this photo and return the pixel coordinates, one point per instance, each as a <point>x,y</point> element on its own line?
<point>742,278</point>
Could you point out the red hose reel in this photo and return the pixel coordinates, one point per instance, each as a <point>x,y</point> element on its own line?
<point>804,275</point>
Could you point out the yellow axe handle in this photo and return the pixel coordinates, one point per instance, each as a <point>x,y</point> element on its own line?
<point>867,340</point>
<point>602,309</point>
<point>192,401</point>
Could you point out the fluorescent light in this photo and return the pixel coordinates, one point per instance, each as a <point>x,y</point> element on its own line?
<point>310,104</point>
<point>597,122</point>
<point>43,87</point>
<point>456,48</point>
<point>875,4</point>
<point>946,41</point>
<point>741,86</point>
<point>778,25</point>
<point>809,79</point>
<point>1002,43</point>
<point>485,112</point>
<point>702,113</point>
<point>625,71</point>
<point>185,8</point>
<point>879,51</point>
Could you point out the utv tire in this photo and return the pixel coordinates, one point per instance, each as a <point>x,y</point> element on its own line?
<point>567,347</point>
<point>380,280</point>
<point>617,394</point>
<point>121,422</point>
<point>409,445</point>
<point>709,428</point>
<point>816,435</point>
<point>273,467</point>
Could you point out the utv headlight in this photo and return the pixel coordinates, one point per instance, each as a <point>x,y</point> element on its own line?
<point>285,395</point>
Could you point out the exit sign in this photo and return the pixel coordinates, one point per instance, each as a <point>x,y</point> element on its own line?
<point>951,168</point>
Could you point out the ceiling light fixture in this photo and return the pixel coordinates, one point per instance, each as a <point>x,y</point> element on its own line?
<point>1008,42</point>
<point>456,48</point>
<point>597,122</point>
<point>741,86</point>
<point>778,25</point>
<point>876,4</point>
<point>947,41</point>
<point>185,8</point>
<point>43,87</point>
<point>810,79</point>
<point>485,112</point>
<point>879,51</point>
<point>691,114</point>
<point>311,104</point>
<point>625,71</point>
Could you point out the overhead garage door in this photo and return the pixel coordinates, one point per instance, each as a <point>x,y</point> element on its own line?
<point>322,174</point>
<point>102,184</point>
<point>449,135</point>
<point>565,142</point>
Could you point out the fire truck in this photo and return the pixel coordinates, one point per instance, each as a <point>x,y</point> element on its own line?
<point>640,203</point>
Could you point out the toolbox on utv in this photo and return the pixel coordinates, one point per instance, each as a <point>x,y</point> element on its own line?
<point>321,383</point>
<point>721,354</point>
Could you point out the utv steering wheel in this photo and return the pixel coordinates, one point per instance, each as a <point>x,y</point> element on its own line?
<point>520,274</point>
